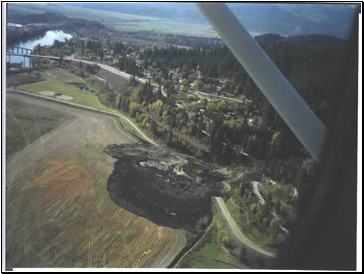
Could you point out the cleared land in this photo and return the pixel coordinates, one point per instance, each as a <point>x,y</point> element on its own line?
<point>21,78</point>
<point>64,76</point>
<point>58,210</point>
<point>145,42</point>
<point>28,125</point>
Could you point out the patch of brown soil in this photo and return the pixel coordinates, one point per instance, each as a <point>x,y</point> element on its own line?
<point>65,179</point>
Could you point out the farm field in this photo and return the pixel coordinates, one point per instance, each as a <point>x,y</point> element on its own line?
<point>58,210</point>
<point>26,126</point>
<point>144,42</point>
<point>178,27</point>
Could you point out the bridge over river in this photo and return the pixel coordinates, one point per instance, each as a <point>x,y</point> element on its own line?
<point>19,52</point>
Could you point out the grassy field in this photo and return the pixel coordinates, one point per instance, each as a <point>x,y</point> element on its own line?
<point>168,26</point>
<point>79,97</point>
<point>236,213</point>
<point>211,253</point>
<point>64,76</point>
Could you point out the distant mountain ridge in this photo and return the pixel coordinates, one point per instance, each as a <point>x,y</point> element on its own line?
<point>283,19</point>
<point>305,39</point>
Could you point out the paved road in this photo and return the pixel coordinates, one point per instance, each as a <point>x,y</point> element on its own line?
<point>239,238</point>
<point>106,67</point>
<point>257,193</point>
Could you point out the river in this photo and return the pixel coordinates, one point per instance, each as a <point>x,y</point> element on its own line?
<point>46,40</point>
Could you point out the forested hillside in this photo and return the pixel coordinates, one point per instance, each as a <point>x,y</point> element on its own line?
<point>313,64</point>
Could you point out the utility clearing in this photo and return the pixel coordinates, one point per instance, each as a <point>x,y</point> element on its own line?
<point>58,210</point>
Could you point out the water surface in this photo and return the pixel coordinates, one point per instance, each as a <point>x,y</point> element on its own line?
<point>46,40</point>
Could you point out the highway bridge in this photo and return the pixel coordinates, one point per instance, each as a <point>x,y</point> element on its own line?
<point>103,66</point>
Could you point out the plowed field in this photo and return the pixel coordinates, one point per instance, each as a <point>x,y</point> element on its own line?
<point>58,210</point>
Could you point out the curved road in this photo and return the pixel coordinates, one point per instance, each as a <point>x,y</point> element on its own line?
<point>240,239</point>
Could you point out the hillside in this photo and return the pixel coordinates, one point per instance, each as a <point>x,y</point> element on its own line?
<point>186,18</point>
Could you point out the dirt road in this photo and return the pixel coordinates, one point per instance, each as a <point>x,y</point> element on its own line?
<point>239,238</point>
<point>58,210</point>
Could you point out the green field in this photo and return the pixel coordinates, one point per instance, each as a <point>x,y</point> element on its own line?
<point>167,26</point>
<point>79,97</point>
<point>211,253</point>
<point>62,75</point>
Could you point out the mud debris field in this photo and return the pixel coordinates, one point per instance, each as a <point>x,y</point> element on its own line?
<point>169,188</point>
